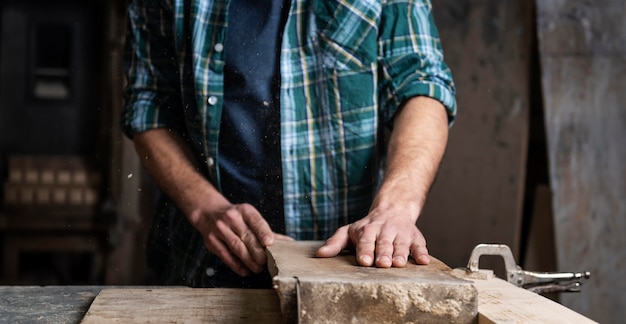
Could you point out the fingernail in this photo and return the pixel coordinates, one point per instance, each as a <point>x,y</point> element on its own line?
<point>322,250</point>
<point>424,259</point>
<point>366,260</point>
<point>399,260</point>
<point>383,262</point>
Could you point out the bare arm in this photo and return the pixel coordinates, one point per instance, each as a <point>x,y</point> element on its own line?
<point>388,234</point>
<point>237,234</point>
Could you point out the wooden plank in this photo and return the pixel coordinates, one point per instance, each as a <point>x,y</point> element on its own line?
<point>184,305</point>
<point>337,290</point>
<point>583,51</point>
<point>479,190</point>
<point>500,302</point>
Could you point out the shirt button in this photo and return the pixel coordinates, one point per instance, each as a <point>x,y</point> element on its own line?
<point>212,100</point>
<point>210,162</point>
<point>218,47</point>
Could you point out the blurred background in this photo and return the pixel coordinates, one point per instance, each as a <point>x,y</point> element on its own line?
<point>535,158</point>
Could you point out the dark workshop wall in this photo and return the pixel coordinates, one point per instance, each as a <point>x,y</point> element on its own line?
<point>478,195</point>
<point>574,78</point>
<point>583,63</point>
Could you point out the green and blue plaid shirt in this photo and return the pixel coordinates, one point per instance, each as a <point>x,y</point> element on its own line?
<point>346,66</point>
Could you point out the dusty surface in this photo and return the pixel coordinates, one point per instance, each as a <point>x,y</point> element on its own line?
<point>184,305</point>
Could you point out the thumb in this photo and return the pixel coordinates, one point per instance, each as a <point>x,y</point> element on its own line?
<point>334,244</point>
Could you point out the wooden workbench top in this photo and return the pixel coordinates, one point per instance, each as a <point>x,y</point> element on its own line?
<point>78,304</point>
<point>184,305</point>
<point>317,282</point>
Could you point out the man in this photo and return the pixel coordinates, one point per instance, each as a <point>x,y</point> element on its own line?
<point>265,120</point>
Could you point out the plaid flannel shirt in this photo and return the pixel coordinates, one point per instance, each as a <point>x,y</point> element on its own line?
<point>346,66</point>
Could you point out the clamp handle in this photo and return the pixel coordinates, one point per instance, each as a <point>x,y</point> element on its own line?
<point>540,282</point>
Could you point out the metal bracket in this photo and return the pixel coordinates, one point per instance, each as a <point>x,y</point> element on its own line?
<point>539,282</point>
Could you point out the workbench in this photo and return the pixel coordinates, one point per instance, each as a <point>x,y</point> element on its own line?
<point>70,304</point>
<point>306,290</point>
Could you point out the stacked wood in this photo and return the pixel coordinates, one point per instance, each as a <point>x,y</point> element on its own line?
<point>51,182</point>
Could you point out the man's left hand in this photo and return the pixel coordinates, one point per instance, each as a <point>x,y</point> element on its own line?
<point>380,239</point>
<point>388,234</point>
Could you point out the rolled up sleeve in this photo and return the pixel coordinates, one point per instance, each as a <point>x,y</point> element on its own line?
<point>411,58</point>
<point>152,98</point>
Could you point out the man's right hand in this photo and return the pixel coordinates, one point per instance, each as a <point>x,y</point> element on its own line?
<point>237,234</point>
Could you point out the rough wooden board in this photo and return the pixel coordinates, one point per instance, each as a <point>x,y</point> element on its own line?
<point>500,302</point>
<point>583,62</point>
<point>337,290</point>
<point>184,305</point>
<point>478,195</point>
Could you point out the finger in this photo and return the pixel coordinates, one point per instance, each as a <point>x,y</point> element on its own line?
<point>365,241</point>
<point>255,249</point>
<point>258,233</point>
<point>384,249</point>
<point>247,232</point>
<point>401,250</point>
<point>234,242</point>
<point>420,252</point>
<point>218,248</point>
<point>334,244</point>
<point>281,237</point>
<point>259,226</point>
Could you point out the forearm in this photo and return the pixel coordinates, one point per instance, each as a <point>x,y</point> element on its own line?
<point>169,161</point>
<point>237,234</point>
<point>416,147</point>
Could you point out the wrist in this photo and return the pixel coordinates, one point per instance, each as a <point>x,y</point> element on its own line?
<point>196,197</point>
<point>401,204</point>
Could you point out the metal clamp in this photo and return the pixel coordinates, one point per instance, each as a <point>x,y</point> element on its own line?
<point>539,282</point>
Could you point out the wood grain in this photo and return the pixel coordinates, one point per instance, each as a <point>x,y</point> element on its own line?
<point>184,305</point>
<point>500,302</point>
